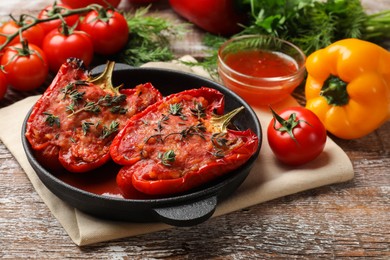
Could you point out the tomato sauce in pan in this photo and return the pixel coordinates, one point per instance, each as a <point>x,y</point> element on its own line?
<point>101,181</point>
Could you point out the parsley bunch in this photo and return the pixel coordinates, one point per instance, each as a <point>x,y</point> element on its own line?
<point>315,24</point>
<point>309,24</point>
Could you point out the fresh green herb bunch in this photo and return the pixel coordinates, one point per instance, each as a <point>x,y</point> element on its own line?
<point>149,38</point>
<point>309,24</point>
<point>312,24</point>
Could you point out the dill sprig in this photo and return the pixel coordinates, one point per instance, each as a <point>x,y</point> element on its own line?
<point>150,38</point>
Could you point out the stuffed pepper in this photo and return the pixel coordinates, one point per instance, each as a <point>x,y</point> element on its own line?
<point>74,122</point>
<point>180,143</point>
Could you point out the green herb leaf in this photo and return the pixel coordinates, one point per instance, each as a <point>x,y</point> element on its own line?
<point>85,126</point>
<point>175,109</point>
<point>107,131</point>
<point>199,111</point>
<point>150,38</point>
<point>52,120</point>
<point>167,158</point>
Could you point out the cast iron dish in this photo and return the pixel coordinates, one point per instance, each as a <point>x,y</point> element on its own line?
<point>186,209</point>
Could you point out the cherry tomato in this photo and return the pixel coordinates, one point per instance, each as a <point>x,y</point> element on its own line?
<point>25,66</point>
<point>33,35</point>
<point>108,29</point>
<point>83,3</point>
<point>54,9</point>
<point>59,46</point>
<point>3,85</point>
<point>296,136</point>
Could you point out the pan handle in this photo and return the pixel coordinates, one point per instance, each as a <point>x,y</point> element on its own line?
<point>188,214</point>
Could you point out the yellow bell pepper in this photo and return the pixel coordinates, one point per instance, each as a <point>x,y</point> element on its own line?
<point>348,87</point>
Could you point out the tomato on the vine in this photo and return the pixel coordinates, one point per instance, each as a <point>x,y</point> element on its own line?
<point>3,85</point>
<point>25,66</point>
<point>34,34</point>
<point>108,29</point>
<point>51,10</point>
<point>83,3</point>
<point>296,135</point>
<point>63,43</point>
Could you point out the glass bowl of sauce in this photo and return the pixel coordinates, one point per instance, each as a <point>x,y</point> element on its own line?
<point>263,70</point>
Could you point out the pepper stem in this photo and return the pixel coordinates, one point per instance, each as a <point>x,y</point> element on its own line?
<point>104,80</point>
<point>334,91</point>
<point>221,122</point>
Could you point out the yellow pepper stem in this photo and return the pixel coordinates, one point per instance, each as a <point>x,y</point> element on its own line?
<point>334,91</point>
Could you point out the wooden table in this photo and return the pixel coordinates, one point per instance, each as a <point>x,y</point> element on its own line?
<point>343,220</point>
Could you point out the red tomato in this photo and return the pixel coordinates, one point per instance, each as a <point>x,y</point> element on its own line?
<point>25,66</point>
<point>54,9</point>
<point>3,85</point>
<point>58,47</point>
<point>214,16</point>
<point>109,31</point>
<point>83,3</point>
<point>33,35</point>
<point>296,136</point>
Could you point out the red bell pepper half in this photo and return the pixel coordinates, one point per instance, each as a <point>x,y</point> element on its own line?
<point>74,122</point>
<point>180,143</point>
<point>214,16</point>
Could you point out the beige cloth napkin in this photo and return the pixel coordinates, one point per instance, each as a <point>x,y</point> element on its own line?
<point>268,179</point>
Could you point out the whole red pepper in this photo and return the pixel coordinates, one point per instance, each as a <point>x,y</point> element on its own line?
<point>214,16</point>
<point>179,143</point>
<point>74,122</point>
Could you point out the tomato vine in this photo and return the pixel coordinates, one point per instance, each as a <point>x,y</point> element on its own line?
<point>58,15</point>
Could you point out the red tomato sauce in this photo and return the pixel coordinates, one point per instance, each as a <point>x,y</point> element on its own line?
<point>256,76</point>
<point>257,63</point>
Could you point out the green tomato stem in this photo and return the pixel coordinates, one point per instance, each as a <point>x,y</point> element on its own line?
<point>287,125</point>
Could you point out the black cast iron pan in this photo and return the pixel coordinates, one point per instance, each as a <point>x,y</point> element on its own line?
<point>185,209</point>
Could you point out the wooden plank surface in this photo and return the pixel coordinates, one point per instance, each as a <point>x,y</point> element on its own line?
<point>343,220</point>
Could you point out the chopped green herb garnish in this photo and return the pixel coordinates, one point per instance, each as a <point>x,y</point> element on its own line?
<point>167,158</point>
<point>118,110</point>
<point>107,131</point>
<point>199,111</point>
<point>70,108</point>
<point>92,107</point>
<point>176,110</point>
<point>76,96</point>
<point>51,119</point>
<point>68,88</point>
<point>85,126</point>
